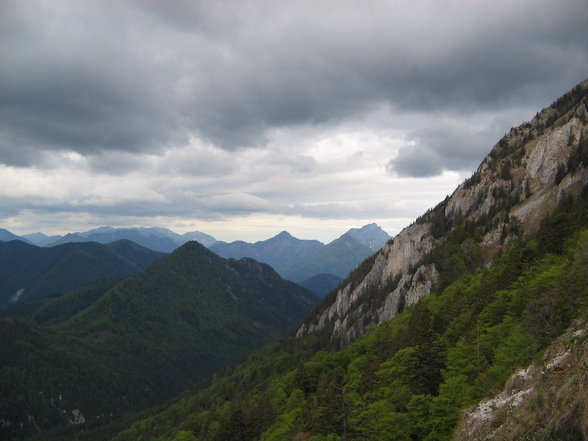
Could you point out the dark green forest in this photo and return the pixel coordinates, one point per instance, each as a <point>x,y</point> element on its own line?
<point>39,272</point>
<point>115,348</point>
<point>409,378</point>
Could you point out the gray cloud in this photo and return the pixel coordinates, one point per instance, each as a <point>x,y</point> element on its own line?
<point>116,163</point>
<point>147,77</point>
<point>71,83</point>
<point>444,146</point>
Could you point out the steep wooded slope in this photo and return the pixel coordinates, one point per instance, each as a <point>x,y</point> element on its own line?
<point>524,177</point>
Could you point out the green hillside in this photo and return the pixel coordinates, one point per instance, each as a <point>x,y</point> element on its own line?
<point>141,341</point>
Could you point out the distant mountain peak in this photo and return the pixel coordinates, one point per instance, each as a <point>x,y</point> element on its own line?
<point>371,234</point>
<point>282,236</point>
<point>40,239</point>
<point>205,239</point>
<point>69,237</point>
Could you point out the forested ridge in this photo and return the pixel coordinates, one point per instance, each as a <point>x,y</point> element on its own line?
<point>29,272</point>
<point>115,348</point>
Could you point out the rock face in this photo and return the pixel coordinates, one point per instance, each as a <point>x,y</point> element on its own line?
<point>545,401</point>
<point>519,183</point>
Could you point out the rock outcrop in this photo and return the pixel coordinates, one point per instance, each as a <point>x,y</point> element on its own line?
<point>544,401</point>
<point>519,183</point>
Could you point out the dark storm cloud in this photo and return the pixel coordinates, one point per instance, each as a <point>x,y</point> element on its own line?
<point>69,83</point>
<point>137,76</point>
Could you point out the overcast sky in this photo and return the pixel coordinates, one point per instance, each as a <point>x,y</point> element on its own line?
<point>245,118</point>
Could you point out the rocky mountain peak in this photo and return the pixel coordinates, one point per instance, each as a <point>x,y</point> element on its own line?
<point>283,235</point>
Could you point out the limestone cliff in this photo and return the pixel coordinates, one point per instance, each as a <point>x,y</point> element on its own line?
<point>519,183</point>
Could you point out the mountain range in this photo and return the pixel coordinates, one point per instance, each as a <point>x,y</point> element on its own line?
<point>338,258</point>
<point>310,263</point>
<point>280,252</point>
<point>157,239</point>
<point>293,258</point>
<point>110,348</point>
<point>38,239</point>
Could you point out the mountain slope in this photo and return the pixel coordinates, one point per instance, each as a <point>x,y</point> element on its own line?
<point>29,272</point>
<point>518,184</point>
<point>57,308</point>
<point>142,340</point>
<point>544,401</point>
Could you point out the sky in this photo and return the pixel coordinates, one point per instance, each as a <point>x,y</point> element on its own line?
<point>245,118</point>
